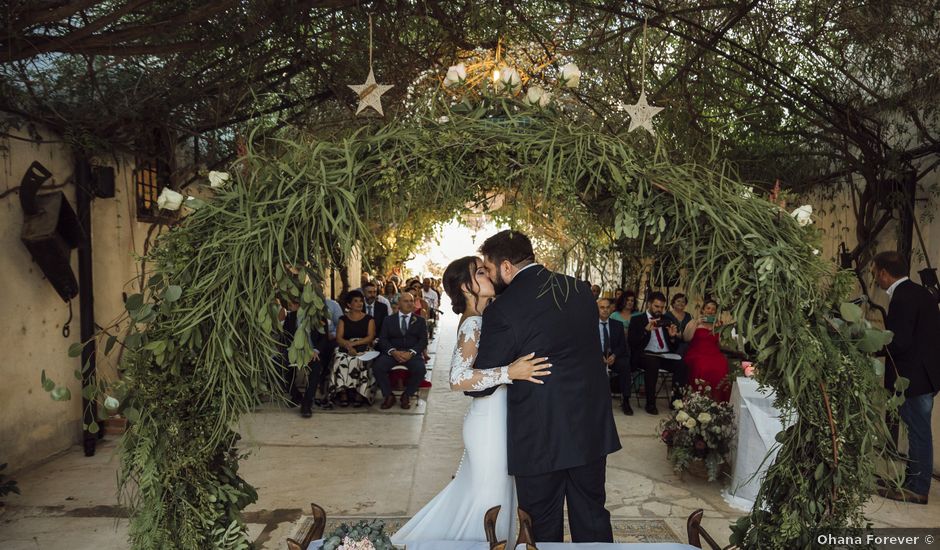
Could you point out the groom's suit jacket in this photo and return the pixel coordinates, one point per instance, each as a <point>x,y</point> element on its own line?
<point>567,421</point>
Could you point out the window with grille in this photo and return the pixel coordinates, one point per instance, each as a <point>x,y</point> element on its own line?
<point>150,177</point>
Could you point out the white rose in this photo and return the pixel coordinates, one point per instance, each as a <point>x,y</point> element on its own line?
<point>169,199</point>
<point>803,215</point>
<point>682,416</point>
<point>111,403</point>
<point>443,120</point>
<point>218,179</point>
<point>678,404</point>
<point>815,252</point>
<point>571,75</point>
<point>538,96</point>
<point>690,423</point>
<point>509,78</point>
<point>704,418</point>
<point>455,74</point>
<point>747,193</point>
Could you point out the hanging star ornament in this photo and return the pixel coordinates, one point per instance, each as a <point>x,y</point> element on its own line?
<point>370,93</point>
<point>641,114</point>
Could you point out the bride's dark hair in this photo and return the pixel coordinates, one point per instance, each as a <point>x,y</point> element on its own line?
<point>459,273</point>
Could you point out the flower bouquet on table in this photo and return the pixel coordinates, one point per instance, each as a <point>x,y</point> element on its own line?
<point>699,432</point>
<point>365,535</point>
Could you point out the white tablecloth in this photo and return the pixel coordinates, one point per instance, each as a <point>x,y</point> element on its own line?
<point>465,545</point>
<point>460,545</point>
<point>758,423</point>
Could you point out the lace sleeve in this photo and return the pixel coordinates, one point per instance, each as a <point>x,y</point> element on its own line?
<point>463,377</point>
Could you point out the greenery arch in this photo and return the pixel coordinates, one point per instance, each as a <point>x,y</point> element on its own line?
<point>198,352</point>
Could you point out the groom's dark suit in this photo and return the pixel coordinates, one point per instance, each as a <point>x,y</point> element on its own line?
<point>560,432</point>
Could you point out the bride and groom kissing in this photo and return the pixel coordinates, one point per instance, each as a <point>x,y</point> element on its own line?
<point>540,425</point>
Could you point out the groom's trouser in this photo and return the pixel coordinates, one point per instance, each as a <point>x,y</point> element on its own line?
<point>543,497</point>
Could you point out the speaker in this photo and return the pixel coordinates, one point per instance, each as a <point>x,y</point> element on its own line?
<point>50,231</point>
<point>104,181</point>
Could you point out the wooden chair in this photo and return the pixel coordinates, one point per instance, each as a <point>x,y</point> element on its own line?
<point>525,531</point>
<point>489,527</point>
<point>697,533</point>
<point>311,528</point>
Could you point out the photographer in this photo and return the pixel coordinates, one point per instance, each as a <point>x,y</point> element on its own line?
<point>653,341</point>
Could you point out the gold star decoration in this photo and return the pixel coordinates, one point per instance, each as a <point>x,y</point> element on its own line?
<point>370,93</point>
<point>641,114</point>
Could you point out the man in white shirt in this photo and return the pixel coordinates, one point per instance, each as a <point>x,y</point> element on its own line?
<point>652,340</point>
<point>430,295</point>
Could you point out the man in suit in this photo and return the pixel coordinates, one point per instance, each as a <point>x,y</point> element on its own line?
<point>319,341</point>
<point>559,432</point>
<point>402,340</point>
<point>614,351</point>
<point>914,319</point>
<point>650,338</point>
<point>373,306</point>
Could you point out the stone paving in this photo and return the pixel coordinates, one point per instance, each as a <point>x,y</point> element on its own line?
<point>367,462</point>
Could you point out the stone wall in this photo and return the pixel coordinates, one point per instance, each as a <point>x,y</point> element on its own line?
<point>32,426</point>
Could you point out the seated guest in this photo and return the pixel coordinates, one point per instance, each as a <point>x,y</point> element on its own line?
<point>421,306</point>
<point>614,352</point>
<point>319,341</point>
<point>350,378</point>
<point>617,293</point>
<point>403,340</point>
<point>624,308</point>
<point>708,367</point>
<point>596,291</point>
<point>390,293</point>
<point>680,317</point>
<point>373,307</point>
<point>650,337</point>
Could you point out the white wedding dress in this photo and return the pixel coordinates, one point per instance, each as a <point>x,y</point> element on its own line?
<point>482,479</point>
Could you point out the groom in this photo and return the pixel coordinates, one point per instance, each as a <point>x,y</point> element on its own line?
<point>560,432</point>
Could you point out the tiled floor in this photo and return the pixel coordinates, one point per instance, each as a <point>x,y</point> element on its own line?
<point>367,462</point>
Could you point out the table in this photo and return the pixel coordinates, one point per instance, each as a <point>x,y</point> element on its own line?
<point>758,423</point>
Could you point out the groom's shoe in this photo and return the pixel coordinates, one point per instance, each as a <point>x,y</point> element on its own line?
<point>389,401</point>
<point>626,408</point>
<point>405,401</point>
<point>651,408</point>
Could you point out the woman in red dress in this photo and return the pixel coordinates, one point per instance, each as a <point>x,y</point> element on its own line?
<point>708,367</point>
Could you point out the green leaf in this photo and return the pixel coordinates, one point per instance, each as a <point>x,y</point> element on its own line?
<point>109,344</point>
<point>873,340</point>
<point>173,293</point>
<point>154,281</point>
<point>142,313</point>
<point>93,428</point>
<point>47,383</point>
<point>77,373</point>
<point>850,312</point>
<point>132,414</point>
<point>820,471</point>
<point>76,349</point>
<point>90,391</point>
<point>61,394</point>
<point>133,340</point>
<point>878,366</point>
<point>134,302</point>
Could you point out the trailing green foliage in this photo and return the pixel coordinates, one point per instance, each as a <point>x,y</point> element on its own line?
<point>199,352</point>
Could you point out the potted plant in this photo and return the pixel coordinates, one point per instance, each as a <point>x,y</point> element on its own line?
<point>698,434</point>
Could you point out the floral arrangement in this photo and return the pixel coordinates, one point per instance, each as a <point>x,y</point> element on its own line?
<point>365,535</point>
<point>699,428</point>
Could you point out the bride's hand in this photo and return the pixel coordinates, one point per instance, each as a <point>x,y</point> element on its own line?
<point>529,368</point>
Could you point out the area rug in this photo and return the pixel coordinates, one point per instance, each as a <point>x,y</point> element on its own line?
<point>625,530</point>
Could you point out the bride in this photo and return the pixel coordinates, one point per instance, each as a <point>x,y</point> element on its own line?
<point>482,479</point>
